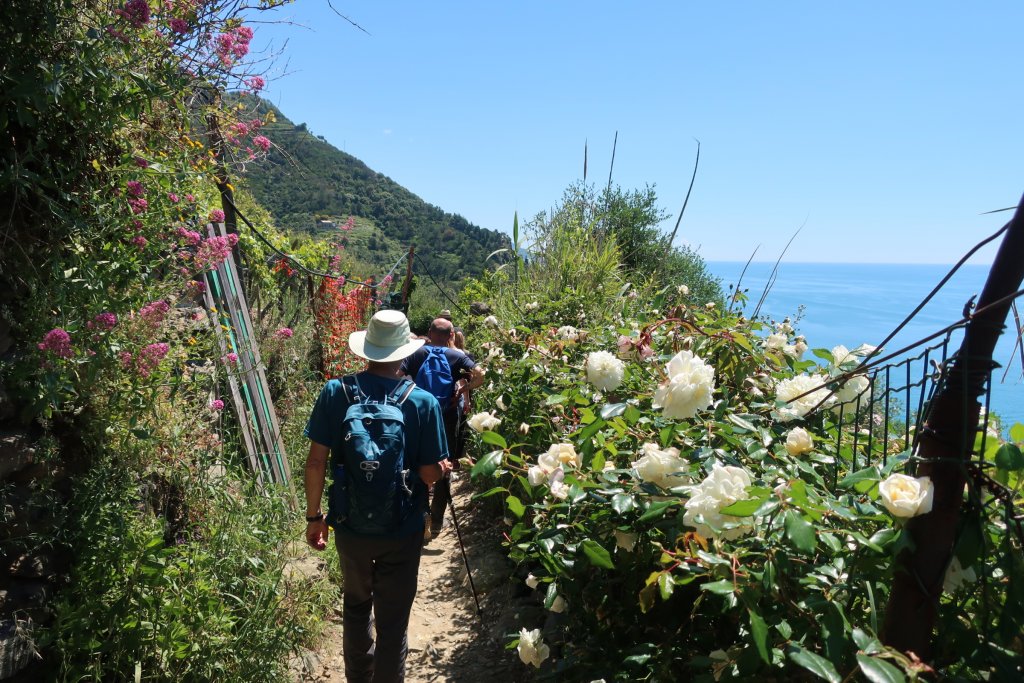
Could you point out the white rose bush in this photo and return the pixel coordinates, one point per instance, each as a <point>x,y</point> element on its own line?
<point>674,488</point>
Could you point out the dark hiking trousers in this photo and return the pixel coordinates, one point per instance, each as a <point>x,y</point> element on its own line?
<point>442,490</point>
<point>379,575</point>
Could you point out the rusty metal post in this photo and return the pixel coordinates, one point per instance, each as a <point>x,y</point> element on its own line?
<point>945,447</point>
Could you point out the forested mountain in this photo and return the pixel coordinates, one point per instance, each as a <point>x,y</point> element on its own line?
<point>305,178</point>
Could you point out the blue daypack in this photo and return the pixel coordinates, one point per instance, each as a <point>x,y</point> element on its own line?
<point>435,376</point>
<point>371,490</point>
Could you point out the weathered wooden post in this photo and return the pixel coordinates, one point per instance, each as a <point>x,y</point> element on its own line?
<point>946,443</point>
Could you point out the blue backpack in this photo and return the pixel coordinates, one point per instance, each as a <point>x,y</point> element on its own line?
<point>371,490</point>
<point>435,375</point>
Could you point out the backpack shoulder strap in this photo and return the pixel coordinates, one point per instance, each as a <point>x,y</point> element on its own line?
<point>400,393</point>
<point>353,392</point>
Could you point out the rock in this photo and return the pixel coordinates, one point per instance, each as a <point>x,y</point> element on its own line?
<point>17,649</point>
<point>479,308</point>
<point>39,564</point>
<point>16,452</point>
<point>489,572</point>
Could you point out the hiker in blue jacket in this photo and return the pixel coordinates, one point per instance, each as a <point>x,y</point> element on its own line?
<point>386,444</point>
<point>449,374</point>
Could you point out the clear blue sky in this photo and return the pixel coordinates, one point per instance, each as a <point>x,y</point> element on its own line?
<point>885,129</point>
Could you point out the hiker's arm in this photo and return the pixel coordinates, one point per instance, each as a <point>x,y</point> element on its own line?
<point>476,378</point>
<point>315,475</point>
<point>430,474</point>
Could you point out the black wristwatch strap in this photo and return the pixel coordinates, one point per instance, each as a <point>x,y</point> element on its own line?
<point>315,518</point>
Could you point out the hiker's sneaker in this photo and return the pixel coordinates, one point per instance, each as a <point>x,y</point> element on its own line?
<point>428,534</point>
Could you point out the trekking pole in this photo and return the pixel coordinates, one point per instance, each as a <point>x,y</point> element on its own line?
<point>458,534</point>
<point>469,573</point>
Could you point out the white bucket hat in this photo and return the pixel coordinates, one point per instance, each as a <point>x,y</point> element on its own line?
<point>385,339</point>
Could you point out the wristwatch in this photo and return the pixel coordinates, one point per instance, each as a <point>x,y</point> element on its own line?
<point>315,518</point>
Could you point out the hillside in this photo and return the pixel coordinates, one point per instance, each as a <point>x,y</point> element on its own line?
<point>305,178</point>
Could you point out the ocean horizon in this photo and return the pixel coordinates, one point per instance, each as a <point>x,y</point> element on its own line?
<point>855,303</point>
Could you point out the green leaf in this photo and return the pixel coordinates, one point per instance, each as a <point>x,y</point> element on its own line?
<point>494,438</point>
<point>1017,432</point>
<point>879,671</point>
<point>743,508</point>
<point>868,644</point>
<point>554,398</point>
<point>800,532</point>
<point>591,429</point>
<point>867,474</point>
<point>666,584</point>
<point>657,510</point>
<point>610,410</point>
<point>759,629</point>
<point>597,554</point>
<point>632,414</point>
<point>515,505</point>
<point>488,493</point>
<point>723,587</point>
<point>1009,457</point>
<point>622,503</point>
<point>741,423</point>
<point>823,354</point>
<point>816,664</point>
<point>486,465</point>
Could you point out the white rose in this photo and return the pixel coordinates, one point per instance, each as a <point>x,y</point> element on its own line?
<point>776,342</point>
<point>563,453</point>
<point>484,422</point>
<point>500,403</point>
<point>709,305</point>
<point>536,475</point>
<point>567,332</point>
<point>723,487</point>
<point>957,576</point>
<point>905,496</point>
<point>841,354</point>
<point>852,389</point>
<point>558,605</point>
<point>604,370</point>
<point>798,441</point>
<point>558,488</point>
<point>790,391</point>
<point>524,428</point>
<point>683,290</point>
<point>532,306</point>
<point>784,327</point>
<point>659,467</point>
<point>532,649</point>
<point>625,540</point>
<point>532,581</point>
<point>491,321</point>
<point>495,353</point>
<point>688,389</point>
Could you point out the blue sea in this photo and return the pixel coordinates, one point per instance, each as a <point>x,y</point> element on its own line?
<point>855,303</point>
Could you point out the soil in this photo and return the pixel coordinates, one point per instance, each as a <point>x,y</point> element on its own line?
<point>448,639</point>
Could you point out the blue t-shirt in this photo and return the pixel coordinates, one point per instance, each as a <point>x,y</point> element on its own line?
<point>425,443</point>
<point>460,362</point>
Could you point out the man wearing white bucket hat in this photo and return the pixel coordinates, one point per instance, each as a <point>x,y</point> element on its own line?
<point>379,560</point>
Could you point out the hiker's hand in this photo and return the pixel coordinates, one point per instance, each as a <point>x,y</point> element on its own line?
<point>317,534</point>
<point>446,467</point>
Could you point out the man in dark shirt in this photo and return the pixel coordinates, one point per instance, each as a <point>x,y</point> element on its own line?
<point>466,376</point>
<point>380,570</point>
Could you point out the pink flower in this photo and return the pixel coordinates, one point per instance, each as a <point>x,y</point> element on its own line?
<point>150,356</point>
<point>137,224</point>
<point>135,12</point>
<point>103,321</point>
<point>141,163</point>
<point>173,197</point>
<point>216,404</point>
<point>255,83</point>
<point>179,26</point>
<point>261,142</point>
<point>216,216</point>
<point>255,124</point>
<point>58,342</point>
<point>138,205</point>
<point>154,312</point>
<point>126,359</point>
<point>386,281</point>
<point>190,198</point>
<point>284,333</point>
<point>349,224</point>
<point>135,188</point>
<point>214,250</point>
<point>231,358</point>
<point>191,237</point>
<point>196,287</point>
<point>140,241</point>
